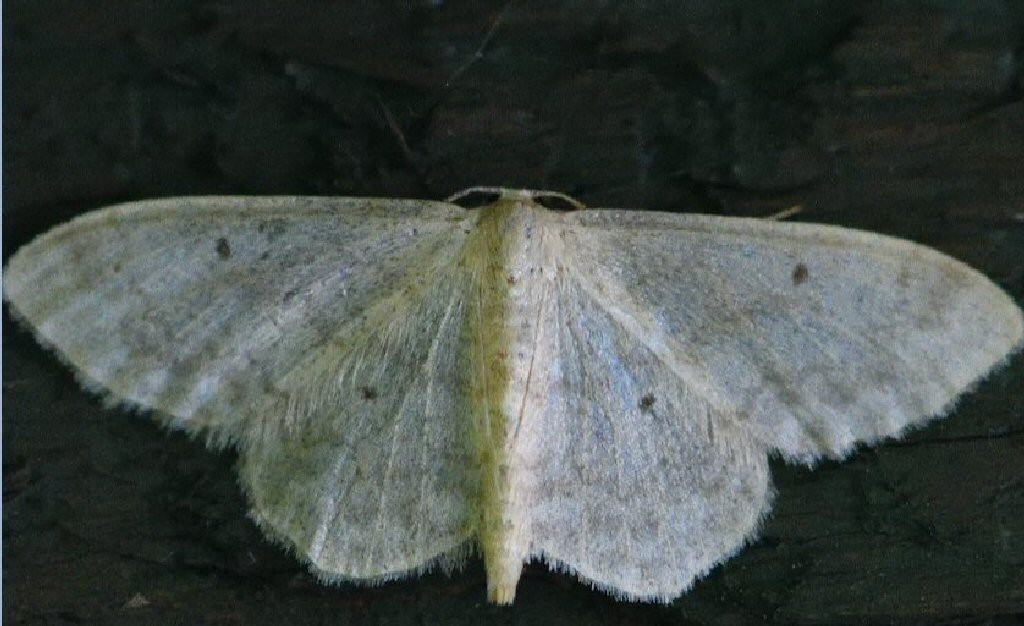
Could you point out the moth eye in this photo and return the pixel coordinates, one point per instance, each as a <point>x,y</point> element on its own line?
<point>556,202</point>
<point>476,198</point>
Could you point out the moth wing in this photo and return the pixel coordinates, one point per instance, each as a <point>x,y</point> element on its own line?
<point>318,334</point>
<point>630,479</point>
<point>816,336</point>
<point>675,351</point>
<point>376,476</point>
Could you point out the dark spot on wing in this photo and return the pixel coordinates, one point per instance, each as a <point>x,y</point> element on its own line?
<point>800,274</point>
<point>368,393</point>
<point>223,248</point>
<point>271,229</point>
<point>903,277</point>
<point>288,295</point>
<point>647,401</point>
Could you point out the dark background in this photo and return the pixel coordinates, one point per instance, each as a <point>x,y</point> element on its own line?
<point>904,118</point>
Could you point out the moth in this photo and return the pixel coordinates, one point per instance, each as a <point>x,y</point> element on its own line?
<point>408,381</point>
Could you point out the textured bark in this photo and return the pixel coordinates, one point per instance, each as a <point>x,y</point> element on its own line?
<point>903,118</point>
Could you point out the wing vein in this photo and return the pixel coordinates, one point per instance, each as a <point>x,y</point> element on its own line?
<point>628,320</point>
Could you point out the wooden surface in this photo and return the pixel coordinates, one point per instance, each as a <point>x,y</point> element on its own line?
<point>905,118</point>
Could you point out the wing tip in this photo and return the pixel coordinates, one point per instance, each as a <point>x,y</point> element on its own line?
<point>215,439</point>
<point>846,447</point>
